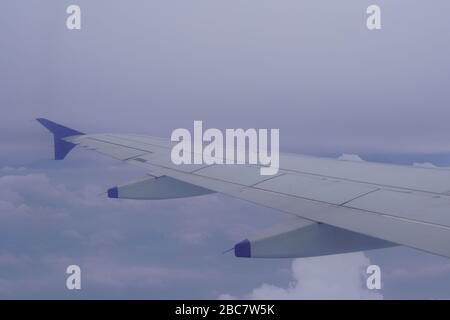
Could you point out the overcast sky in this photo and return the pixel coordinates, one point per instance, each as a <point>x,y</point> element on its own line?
<point>310,68</point>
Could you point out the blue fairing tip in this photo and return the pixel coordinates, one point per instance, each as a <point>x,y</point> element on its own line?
<point>113,193</point>
<point>242,249</point>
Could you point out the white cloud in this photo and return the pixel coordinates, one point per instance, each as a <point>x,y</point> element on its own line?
<point>226,296</point>
<point>328,277</point>
<point>10,210</point>
<point>424,165</point>
<point>350,157</point>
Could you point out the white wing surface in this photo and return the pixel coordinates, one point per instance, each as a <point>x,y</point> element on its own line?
<point>350,205</point>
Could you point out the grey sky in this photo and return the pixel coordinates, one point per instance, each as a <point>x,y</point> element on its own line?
<point>310,68</point>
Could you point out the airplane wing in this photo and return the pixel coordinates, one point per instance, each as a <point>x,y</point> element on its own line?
<point>336,206</point>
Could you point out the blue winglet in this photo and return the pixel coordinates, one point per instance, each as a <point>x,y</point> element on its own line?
<point>62,147</point>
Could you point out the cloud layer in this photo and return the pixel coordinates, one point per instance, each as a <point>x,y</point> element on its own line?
<point>328,277</point>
